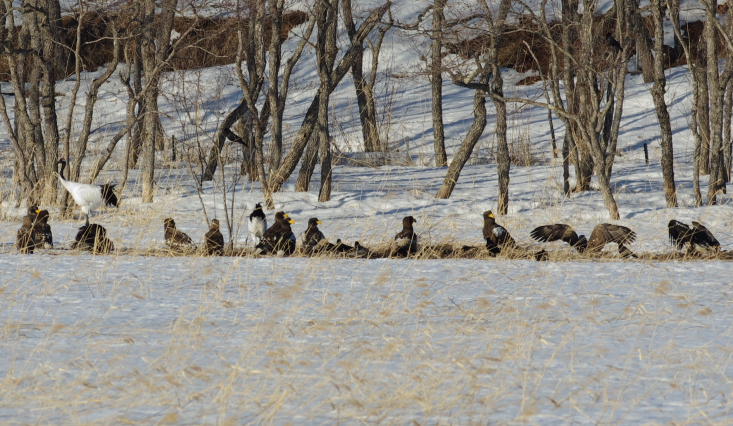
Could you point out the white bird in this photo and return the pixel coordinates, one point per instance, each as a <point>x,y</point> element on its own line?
<point>257,223</point>
<point>87,196</point>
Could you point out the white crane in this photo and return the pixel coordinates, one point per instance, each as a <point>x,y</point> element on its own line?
<point>87,196</point>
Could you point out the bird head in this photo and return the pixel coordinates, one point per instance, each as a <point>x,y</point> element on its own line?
<point>313,222</point>
<point>169,223</point>
<point>215,224</point>
<point>258,206</point>
<point>489,216</point>
<point>291,221</point>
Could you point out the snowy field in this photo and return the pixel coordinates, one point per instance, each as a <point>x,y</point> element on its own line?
<point>129,338</point>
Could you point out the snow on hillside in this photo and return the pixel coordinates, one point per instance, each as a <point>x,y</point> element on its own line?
<point>142,339</point>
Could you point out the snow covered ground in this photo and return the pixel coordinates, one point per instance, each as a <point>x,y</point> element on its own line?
<point>142,339</point>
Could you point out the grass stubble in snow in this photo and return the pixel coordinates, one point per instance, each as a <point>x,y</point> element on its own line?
<point>133,339</point>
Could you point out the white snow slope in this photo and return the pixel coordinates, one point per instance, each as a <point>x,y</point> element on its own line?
<point>195,340</point>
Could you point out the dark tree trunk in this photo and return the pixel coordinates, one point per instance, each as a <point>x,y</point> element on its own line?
<point>464,152</point>
<point>436,83</point>
<point>660,105</point>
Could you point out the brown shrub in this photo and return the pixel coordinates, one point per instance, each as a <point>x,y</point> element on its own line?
<point>209,43</point>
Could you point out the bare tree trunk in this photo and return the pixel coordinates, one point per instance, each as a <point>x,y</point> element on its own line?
<point>463,154</point>
<point>364,95</point>
<point>309,164</point>
<point>703,101</point>
<point>716,104</point>
<point>155,43</point>
<point>674,10</point>
<point>327,50</point>
<point>501,139</point>
<point>290,162</point>
<point>660,105</point>
<point>436,83</point>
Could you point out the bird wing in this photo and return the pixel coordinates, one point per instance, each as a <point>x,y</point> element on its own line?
<point>89,196</point>
<point>108,194</point>
<point>610,233</point>
<point>702,236</point>
<point>679,233</point>
<point>547,233</point>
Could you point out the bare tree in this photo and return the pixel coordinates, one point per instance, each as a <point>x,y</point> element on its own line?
<point>436,82</point>
<point>32,52</point>
<point>364,86</point>
<point>486,79</point>
<point>279,176</point>
<point>156,38</point>
<point>660,105</point>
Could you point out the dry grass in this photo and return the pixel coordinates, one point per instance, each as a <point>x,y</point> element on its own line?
<point>232,341</point>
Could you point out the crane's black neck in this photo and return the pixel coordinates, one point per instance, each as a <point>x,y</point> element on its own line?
<point>63,167</point>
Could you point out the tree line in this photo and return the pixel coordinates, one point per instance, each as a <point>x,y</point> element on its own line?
<point>582,55</point>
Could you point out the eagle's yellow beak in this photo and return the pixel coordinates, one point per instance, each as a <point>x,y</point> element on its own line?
<point>318,222</point>
<point>38,211</point>
<point>291,221</point>
<point>285,215</point>
<point>491,215</point>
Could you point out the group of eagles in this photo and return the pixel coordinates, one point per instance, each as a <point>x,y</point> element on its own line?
<point>279,238</point>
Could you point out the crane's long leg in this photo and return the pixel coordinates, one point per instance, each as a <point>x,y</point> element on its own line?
<point>87,216</point>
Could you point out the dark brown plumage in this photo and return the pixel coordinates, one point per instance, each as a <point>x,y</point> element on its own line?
<point>496,236</point>
<point>697,236</point>
<point>42,235</point>
<point>214,240</point>
<point>405,242</point>
<point>93,237</point>
<point>279,237</point>
<point>314,238</point>
<point>24,238</point>
<point>176,239</point>
<point>602,234</point>
<point>559,232</point>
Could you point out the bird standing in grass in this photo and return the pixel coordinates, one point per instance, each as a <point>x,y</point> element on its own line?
<point>42,235</point>
<point>214,240</point>
<point>93,238</point>
<point>602,234</point>
<point>87,196</point>
<point>24,238</point>
<point>175,239</point>
<point>405,242</point>
<point>496,236</point>
<point>697,236</point>
<point>314,238</point>
<point>278,238</point>
<point>257,224</point>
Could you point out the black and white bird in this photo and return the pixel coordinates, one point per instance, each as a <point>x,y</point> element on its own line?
<point>496,236</point>
<point>279,238</point>
<point>602,234</point>
<point>697,236</point>
<point>257,224</point>
<point>88,196</point>
<point>405,242</point>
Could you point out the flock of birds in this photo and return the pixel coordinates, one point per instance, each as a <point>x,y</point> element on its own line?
<point>279,239</point>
